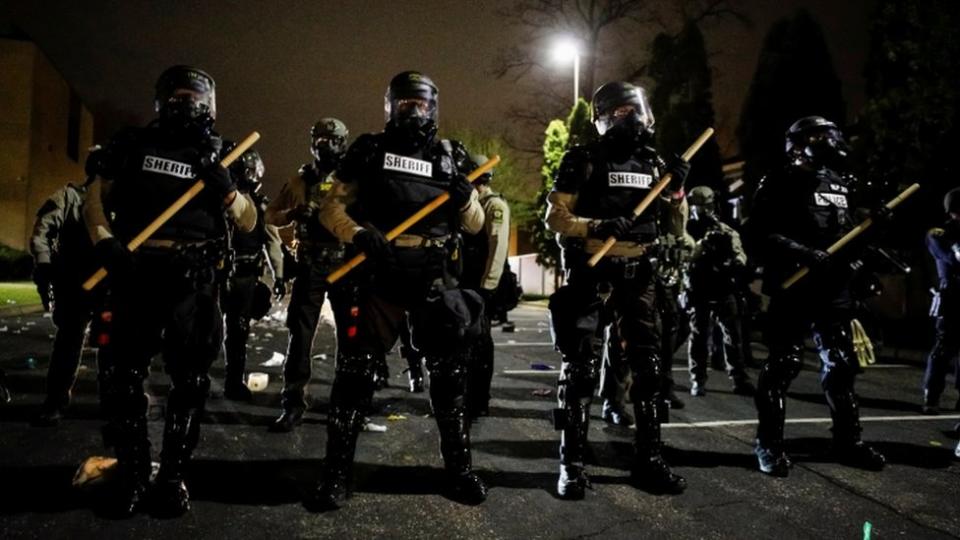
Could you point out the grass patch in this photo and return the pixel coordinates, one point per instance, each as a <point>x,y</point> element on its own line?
<point>22,293</point>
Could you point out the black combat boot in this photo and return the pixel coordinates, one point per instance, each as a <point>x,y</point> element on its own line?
<point>650,472</point>
<point>931,403</point>
<point>332,492</point>
<point>771,413</point>
<point>573,481</point>
<point>180,436</point>
<point>847,445</point>
<point>464,485</point>
<point>129,495</point>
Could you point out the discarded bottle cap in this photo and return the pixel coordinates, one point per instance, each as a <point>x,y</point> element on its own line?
<point>257,382</point>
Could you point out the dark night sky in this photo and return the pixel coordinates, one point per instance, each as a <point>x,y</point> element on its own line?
<point>281,65</point>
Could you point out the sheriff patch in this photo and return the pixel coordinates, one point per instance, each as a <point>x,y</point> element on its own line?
<point>168,167</point>
<point>630,180</point>
<point>418,167</point>
<point>831,199</point>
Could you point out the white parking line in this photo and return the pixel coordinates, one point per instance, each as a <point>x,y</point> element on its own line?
<point>818,420</point>
<point>678,369</point>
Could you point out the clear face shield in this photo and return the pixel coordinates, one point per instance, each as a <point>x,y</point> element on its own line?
<point>633,114</point>
<point>410,110</point>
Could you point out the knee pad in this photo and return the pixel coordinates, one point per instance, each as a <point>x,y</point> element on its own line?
<point>578,378</point>
<point>360,365</point>
<point>784,367</point>
<point>646,375</point>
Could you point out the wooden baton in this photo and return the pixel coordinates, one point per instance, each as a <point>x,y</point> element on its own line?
<point>854,232</point>
<point>648,200</point>
<point>182,201</point>
<point>410,221</point>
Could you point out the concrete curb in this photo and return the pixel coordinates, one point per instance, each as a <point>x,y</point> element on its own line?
<point>16,310</point>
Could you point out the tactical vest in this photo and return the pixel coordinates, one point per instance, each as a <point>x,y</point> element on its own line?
<point>150,173</point>
<point>830,207</point>
<point>399,184</point>
<point>317,185</point>
<point>615,188</point>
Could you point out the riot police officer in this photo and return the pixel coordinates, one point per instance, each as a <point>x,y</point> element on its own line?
<point>799,211</point>
<point>597,187</point>
<point>164,296</point>
<point>717,269</point>
<point>384,179</point>
<point>243,293</point>
<point>62,261</point>
<point>484,257</point>
<point>944,245</point>
<point>318,254</point>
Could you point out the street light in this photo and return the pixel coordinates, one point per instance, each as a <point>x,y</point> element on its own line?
<point>563,51</point>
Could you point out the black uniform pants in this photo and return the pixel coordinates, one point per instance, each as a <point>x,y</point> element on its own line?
<point>237,303</point>
<point>480,367</point>
<point>790,319</point>
<point>946,345</point>
<point>625,287</point>
<point>310,289</point>
<point>723,315</point>
<point>412,284</point>
<point>168,306</point>
<point>72,313</point>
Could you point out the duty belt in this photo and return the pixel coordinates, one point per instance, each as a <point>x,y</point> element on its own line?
<point>417,241</point>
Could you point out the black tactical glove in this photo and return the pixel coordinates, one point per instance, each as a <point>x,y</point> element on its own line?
<point>615,227</point>
<point>881,215</point>
<point>279,289</point>
<point>115,257</point>
<point>955,248</point>
<point>218,180</point>
<point>814,258</point>
<point>43,277</point>
<point>678,169</point>
<point>460,191</point>
<point>372,242</point>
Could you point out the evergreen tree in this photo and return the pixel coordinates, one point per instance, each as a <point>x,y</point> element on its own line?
<point>794,78</point>
<point>911,118</point>
<point>682,102</point>
<point>554,146</point>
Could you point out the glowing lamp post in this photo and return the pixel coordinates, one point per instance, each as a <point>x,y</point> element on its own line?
<point>563,52</point>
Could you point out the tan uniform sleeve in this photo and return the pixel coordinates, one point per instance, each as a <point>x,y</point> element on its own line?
<point>274,251</point>
<point>674,215</point>
<point>243,212</point>
<point>333,211</point>
<point>291,195</point>
<point>560,217</point>
<point>497,228</point>
<point>471,215</point>
<point>94,216</point>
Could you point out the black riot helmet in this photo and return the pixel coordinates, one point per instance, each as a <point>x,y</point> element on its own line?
<point>186,97</point>
<point>485,178</point>
<point>621,110</point>
<point>951,201</point>
<point>813,142</point>
<point>328,142</point>
<point>248,171</point>
<point>410,107</point>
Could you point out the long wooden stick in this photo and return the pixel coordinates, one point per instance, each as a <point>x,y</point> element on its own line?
<point>410,221</point>
<point>174,208</point>
<point>654,193</point>
<point>854,232</point>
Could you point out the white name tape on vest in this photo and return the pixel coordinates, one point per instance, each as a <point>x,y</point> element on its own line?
<point>831,199</point>
<point>630,180</point>
<point>418,167</point>
<point>167,166</point>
